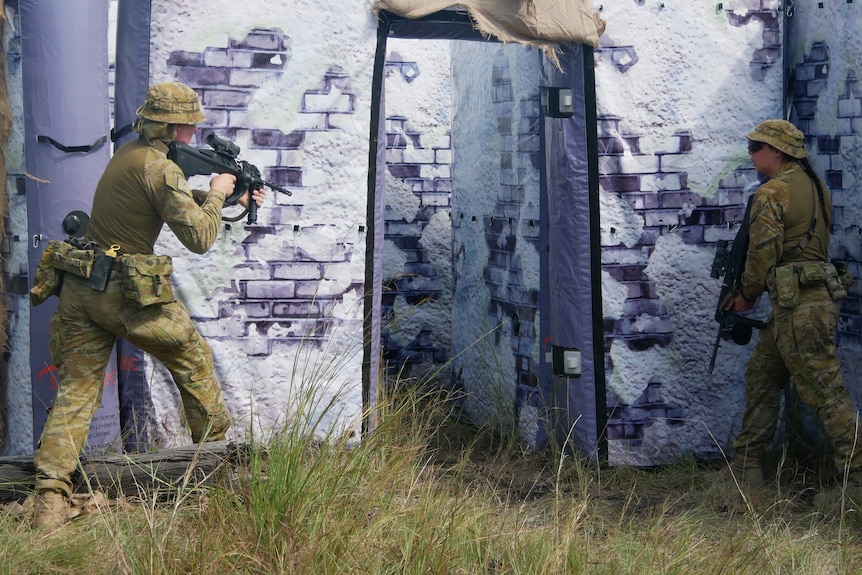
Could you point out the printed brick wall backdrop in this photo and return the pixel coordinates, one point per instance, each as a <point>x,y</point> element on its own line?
<point>679,84</point>
<point>417,261</point>
<point>495,216</point>
<point>674,177</point>
<point>281,301</point>
<point>423,202</point>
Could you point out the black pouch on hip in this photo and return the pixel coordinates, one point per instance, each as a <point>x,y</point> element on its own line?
<point>102,268</point>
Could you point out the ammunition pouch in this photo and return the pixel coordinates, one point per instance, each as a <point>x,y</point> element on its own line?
<point>48,279</point>
<point>786,281</point>
<point>845,276</point>
<point>147,279</point>
<point>76,261</point>
<point>59,257</point>
<point>783,286</point>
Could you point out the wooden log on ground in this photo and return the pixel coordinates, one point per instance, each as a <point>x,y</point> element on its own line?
<point>132,475</point>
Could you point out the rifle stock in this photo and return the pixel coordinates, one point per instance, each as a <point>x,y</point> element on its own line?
<point>221,158</point>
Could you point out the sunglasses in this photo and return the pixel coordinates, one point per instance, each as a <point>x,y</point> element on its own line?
<point>755,146</point>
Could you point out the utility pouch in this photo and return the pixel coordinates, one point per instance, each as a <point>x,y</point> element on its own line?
<point>48,279</point>
<point>786,286</point>
<point>844,273</point>
<point>70,259</point>
<point>147,279</point>
<point>102,267</point>
<point>834,283</point>
<point>811,274</point>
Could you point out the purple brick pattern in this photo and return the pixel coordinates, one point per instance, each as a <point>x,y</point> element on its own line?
<point>286,297</point>
<point>628,421</point>
<point>513,304</point>
<point>769,53</point>
<point>674,208</point>
<point>811,76</point>
<point>426,169</point>
<point>661,214</point>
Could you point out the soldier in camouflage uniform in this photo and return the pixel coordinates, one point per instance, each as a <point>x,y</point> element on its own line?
<point>140,191</point>
<point>788,258</point>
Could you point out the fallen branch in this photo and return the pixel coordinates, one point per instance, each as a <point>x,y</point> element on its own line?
<point>129,475</point>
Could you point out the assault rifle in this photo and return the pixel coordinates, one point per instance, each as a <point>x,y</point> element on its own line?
<point>731,325</point>
<point>222,159</point>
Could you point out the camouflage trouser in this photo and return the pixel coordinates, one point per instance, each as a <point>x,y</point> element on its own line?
<point>82,333</point>
<point>799,342</point>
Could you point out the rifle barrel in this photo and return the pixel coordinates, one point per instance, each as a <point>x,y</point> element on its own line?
<point>714,352</point>
<point>277,188</point>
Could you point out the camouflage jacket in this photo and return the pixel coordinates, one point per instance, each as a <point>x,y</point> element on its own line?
<point>140,191</point>
<point>781,215</point>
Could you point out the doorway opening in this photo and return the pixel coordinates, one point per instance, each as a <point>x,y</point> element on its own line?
<point>459,226</point>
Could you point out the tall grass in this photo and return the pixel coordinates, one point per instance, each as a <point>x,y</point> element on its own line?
<point>426,494</point>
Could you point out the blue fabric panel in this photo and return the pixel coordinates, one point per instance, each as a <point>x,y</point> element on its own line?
<point>65,79</point>
<point>131,80</point>
<point>570,259</point>
<point>132,75</point>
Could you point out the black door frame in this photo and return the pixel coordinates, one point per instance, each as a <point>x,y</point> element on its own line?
<point>459,26</point>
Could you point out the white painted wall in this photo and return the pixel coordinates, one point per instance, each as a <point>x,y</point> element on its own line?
<point>323,381</point>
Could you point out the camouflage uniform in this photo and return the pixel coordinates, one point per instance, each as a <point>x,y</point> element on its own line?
<point>139,191</point>
<point>790,262</point>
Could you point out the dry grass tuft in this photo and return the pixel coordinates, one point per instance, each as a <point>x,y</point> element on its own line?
<point>427,494</point>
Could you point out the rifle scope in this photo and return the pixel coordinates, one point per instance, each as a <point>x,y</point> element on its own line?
<point>222,146</point>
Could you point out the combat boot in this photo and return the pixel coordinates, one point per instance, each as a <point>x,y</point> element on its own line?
<point>844,497</point>
<point>732,486</point>
<point>739,473</point>
<point>746,472</point>
<point>51,509</point>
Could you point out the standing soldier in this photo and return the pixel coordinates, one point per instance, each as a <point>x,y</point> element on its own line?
<point>788,258</point>
<point>113,285</point>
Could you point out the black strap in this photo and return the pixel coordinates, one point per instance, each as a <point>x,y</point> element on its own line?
<point>71,149</point>
<point>117,134</point>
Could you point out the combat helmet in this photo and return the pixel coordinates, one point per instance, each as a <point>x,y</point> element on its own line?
<point>172,103</point>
